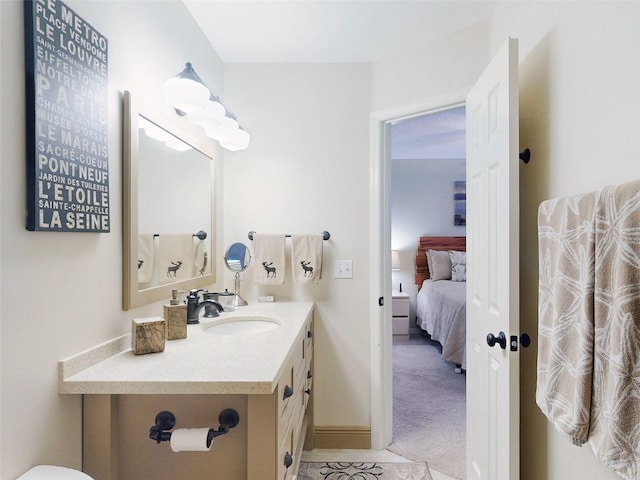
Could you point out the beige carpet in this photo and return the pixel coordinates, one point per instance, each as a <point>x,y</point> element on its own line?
<point>429,416</point>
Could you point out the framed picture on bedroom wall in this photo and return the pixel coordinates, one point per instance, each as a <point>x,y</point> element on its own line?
<point>460,203</point>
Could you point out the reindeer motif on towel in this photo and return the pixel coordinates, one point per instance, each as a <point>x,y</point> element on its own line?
<point>271,271</point>
<point>308,271</point>
<point>175,266</point>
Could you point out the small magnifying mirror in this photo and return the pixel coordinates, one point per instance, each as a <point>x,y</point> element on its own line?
<point>238,258</point>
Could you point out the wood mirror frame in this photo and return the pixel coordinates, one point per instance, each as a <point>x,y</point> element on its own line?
<point>134,111</point>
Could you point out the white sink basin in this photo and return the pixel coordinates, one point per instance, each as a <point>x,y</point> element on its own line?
<point>242,325</point>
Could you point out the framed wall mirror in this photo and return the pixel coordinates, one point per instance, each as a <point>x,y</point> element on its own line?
<point>169,236</point>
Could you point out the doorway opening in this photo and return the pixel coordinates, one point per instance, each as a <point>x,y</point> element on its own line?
<point>381,272</point>
<point>427,202</point>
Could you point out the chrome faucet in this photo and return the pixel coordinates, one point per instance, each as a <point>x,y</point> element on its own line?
<point>194,305</point>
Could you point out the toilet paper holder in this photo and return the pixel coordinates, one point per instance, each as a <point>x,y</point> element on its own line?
<point>166,420</point>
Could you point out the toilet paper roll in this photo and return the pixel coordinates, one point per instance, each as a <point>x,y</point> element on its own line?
<point>190,440</point>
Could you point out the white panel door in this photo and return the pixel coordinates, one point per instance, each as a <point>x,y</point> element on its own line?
<point>493,377</point>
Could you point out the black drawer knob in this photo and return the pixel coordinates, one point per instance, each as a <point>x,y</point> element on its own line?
<point>288,460</point>
<point>288,391</point>
<point>308,391</point>
<point>309,374</point>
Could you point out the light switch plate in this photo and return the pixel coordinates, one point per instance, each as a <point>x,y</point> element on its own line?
<point>343,269</point>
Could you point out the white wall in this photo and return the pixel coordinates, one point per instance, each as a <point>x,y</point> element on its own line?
<point>421,204</point>
<point>446,65</point>
<point>307,171</point>
<point>62,292</point>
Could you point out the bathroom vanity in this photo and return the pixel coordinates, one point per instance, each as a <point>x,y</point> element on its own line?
<point>257,360</point>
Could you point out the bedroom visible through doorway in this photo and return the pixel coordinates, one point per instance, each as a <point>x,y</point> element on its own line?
<point>427,199</point>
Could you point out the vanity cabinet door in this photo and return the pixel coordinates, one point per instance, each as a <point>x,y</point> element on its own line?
<point>279,422</point>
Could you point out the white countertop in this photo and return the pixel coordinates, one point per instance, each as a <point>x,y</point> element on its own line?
<point>201,363</point>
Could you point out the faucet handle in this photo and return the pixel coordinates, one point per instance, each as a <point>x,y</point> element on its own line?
<point>193,296</point>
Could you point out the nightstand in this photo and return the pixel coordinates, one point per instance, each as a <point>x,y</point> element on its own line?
<point>400,313</point>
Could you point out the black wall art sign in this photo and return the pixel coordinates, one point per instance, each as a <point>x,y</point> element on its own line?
<point>67,149</point>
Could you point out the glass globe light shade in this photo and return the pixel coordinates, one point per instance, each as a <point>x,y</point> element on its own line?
<point>209,116</point>
<point>216,132</point>
<point>223,129</point>
<point>229,123</point>
<point>185,94</point>
<point>236,140</point>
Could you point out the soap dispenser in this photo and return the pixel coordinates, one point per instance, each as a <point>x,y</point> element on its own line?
<point>175,316</point>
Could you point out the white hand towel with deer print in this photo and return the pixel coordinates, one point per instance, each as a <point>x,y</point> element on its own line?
<point>268,252</point>
<point>145,257</point>
<point>175,257</point>
<point>306,258</point>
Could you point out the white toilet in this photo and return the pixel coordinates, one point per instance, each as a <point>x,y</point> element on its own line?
<point>51,472</point>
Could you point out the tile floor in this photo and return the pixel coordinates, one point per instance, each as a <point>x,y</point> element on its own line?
<point>328,455</point>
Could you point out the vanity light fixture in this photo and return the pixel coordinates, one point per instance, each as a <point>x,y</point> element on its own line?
<point>190,97</point>
<point>186,92</point>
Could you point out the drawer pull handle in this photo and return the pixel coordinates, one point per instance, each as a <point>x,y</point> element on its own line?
<point>309,375</point>
<point>309,334</point>
<point>288,391</point>
<point>308,391</point>
<point>288,460</point>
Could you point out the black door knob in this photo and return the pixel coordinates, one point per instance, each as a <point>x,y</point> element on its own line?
<point>501,340</point>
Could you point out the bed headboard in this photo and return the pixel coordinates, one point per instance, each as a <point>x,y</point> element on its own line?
<point>434,243</point>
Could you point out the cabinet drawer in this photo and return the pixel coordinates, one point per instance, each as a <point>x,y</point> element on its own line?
<point>299,364</point>
<point>290,388</point>
<point>285,454</point>
<point>308,354</point>
<point>400,307</point>
<point>285,394</point>
<point>308,340</point>
<point>400,326</point>
<point>298,420</point>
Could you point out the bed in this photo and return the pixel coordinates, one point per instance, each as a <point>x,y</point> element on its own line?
<point>441,300</point>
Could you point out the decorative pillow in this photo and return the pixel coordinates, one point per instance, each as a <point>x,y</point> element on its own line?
<point>458,266</point>
<point>429,263</point>
<point>441,265</point>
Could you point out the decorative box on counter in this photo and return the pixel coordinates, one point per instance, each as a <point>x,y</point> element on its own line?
<point>147,335</point>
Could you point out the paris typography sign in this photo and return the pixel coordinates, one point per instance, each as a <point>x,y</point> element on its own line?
<point>66,63</point>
